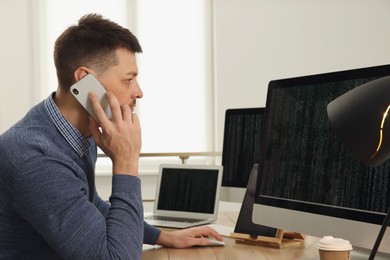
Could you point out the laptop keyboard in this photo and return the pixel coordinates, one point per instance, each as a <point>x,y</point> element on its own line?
<point>175,219</point>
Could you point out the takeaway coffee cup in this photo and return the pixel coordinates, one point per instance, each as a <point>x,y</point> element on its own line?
<point>331,248</point>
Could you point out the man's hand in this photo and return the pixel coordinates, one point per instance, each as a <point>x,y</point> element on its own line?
<point>119,137</point>
<point>196,236</point>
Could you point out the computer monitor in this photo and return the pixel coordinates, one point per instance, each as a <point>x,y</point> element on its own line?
<point>240,151</point>
<point>308,180</point>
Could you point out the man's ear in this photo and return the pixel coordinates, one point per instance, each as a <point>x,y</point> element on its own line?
<point>81,72</point>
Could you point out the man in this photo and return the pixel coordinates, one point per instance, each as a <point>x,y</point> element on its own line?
<point>49,208</point>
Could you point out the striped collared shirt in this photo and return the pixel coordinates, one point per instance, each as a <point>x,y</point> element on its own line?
<point>73,136</point>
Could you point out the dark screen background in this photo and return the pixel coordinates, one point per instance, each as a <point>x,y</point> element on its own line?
<point>190,190</point>
<point>304,159</point>
<point>241,145</point>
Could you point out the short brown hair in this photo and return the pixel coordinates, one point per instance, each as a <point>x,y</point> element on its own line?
<point>93,43</point>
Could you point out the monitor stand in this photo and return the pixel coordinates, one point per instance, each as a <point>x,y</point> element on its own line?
<point>283,239</point>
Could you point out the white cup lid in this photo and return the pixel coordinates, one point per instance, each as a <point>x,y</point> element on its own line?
<point>330,243</point>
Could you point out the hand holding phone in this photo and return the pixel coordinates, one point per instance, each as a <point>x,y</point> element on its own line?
<point>119,138</point>
<point>81,89</point>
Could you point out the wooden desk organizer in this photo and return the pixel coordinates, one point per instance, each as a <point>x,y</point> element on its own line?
<point>283,239</point>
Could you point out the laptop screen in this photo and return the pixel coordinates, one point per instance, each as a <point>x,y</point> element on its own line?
<point>188,190</point>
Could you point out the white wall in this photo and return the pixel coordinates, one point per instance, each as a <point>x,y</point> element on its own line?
<point>15,61</point>
<point>260,40</point>
<point>255,41</point>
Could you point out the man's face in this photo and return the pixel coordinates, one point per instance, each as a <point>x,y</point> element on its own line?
<point>121,79</point>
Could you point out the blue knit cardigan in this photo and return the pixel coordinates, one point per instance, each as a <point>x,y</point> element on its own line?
<point>49,208</point>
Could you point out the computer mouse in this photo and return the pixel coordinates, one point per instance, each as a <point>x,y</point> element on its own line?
<point>215,242</point>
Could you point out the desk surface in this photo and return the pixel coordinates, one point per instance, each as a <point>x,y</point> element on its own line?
<point>233,250</point>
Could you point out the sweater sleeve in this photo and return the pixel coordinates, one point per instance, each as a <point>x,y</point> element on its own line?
<point>55,202</point>
<point>151,233</point>
<point>101,205</point>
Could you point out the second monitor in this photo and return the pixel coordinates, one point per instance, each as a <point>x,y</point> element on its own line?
<point>241,146</point>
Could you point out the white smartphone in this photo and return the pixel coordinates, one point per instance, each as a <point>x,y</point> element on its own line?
<point>86,85</point>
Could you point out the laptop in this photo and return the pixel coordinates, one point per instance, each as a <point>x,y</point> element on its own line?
<point>186,195</point>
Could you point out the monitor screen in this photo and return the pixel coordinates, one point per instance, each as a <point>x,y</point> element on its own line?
<point>241,145</point>
<point>304,166</point>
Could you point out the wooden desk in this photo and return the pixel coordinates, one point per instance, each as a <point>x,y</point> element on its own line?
<point>233,250</point>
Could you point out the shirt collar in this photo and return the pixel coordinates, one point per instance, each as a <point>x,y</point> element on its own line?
<point>73,136</point>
